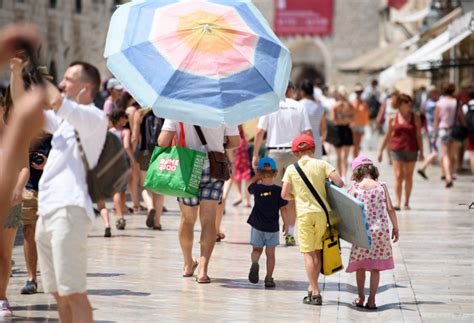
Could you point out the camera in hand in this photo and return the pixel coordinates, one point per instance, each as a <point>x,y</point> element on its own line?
<point>36,158</point>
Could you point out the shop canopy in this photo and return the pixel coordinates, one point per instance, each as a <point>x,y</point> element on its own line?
<point>430,52</point>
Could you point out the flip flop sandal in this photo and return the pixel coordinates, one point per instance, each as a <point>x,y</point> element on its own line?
<point>150,219</point>
<point>207,280</point>
<point>195,265</point>
<point>356,302</point>
<point>236,203</point>
<point>158,227</point>
<point>370,308</point>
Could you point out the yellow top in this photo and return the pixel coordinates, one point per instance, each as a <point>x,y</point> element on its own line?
<point>317,171</point>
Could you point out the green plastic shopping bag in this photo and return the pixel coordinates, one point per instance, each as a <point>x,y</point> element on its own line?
<point>175,171</point>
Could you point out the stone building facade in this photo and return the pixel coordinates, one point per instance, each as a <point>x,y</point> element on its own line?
<point>76,30</point>
<point>71,29</point>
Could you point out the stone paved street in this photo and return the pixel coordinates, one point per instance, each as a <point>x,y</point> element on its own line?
<point>136,275</point>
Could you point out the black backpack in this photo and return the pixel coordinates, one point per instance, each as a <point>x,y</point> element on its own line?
<point>153,126</point>
<point>469,117</point>
<point>111,172</point>
<point>374,106</point>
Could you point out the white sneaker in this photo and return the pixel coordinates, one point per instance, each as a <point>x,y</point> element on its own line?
<point>5,309</point>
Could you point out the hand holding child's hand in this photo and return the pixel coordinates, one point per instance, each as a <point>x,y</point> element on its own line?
<point>395,235</point>
<point>285,229</point>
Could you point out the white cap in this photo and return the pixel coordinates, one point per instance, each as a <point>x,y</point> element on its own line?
<point>114,84</point>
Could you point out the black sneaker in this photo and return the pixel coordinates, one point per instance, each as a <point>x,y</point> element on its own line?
<point>253,274</point>
<point>31,287</point>
<point>107,233</point>
<point>120,224</point>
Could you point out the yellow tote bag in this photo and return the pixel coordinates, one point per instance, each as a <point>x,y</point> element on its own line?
<point>331,253</point>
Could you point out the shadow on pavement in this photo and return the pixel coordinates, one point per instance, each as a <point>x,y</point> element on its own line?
<point>115,292</point>
<point>285,285</point>
<point>30,319</point>
<point>104,275</point>
<point>36,307</point>
<point>384,307</point>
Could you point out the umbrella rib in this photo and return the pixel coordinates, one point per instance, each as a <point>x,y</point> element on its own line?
<point>251,63</point>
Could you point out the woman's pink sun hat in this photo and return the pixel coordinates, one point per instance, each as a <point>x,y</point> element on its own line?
<point>361,160</point>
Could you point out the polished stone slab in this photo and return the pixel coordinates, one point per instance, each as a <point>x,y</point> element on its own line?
<point>136,275</point>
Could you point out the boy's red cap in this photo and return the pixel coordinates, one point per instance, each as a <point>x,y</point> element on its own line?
<point>302,143</point>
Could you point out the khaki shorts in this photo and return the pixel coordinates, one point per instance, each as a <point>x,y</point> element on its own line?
<point>61,239</point>
<point>29,216</point>
<point>283,159</point>
<point>311,229</point>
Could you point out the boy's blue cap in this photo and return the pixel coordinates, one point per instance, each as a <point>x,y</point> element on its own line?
<point>267,163</point>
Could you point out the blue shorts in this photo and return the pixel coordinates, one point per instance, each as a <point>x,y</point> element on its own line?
<point>260,239</point>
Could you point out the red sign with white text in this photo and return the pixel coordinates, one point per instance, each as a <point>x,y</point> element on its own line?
<point>397,4</point>
<point>303,17</point>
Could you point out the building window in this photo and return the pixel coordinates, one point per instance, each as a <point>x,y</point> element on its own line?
<point>53,4</point>
<point>78,6</point>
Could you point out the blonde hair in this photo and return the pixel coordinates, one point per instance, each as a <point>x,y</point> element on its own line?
<point>342,92</point>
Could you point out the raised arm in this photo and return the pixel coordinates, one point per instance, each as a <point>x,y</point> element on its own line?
<point>17,86</point>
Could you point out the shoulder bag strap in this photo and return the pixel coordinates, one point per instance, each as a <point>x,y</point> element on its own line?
<point>82,152</point>
<point>201,136</point>
<point>314,192</point>
<point>182,136</point>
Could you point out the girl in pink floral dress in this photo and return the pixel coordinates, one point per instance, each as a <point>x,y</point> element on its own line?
<point>377,203</point>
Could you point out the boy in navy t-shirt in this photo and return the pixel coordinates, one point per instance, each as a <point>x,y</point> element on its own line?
<point>264,219</point>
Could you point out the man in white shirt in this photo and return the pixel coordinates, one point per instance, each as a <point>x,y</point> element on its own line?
<point>282,126</point>
<point>65,208</point>
<point>210,193</point>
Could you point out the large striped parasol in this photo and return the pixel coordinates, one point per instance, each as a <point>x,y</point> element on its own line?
<point>205,62</point>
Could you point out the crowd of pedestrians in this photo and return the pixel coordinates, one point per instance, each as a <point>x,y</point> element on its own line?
<point>47,189</point>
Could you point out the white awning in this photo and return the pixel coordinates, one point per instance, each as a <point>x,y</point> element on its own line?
<point>397,16</point>
<point>399,71</point>
<point>436,55</point>
<point>430,52</point>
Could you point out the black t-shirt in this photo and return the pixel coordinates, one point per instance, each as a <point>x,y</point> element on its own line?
<point>265,214</point>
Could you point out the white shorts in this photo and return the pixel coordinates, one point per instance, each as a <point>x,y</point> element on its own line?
<point>283,159</point>
<point>61,239</point>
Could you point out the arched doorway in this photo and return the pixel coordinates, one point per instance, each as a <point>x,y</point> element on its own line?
<point>311,59</point>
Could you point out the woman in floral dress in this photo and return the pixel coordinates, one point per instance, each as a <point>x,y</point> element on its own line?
<point>377,204</point>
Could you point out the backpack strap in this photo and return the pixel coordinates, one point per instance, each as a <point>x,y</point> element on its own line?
<point>82,152</point>
<point>314,192</point>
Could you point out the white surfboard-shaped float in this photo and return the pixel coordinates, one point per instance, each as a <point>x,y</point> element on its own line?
<point>348,217</point>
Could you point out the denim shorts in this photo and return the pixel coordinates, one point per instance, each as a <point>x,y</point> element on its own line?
<point>260,239</point>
